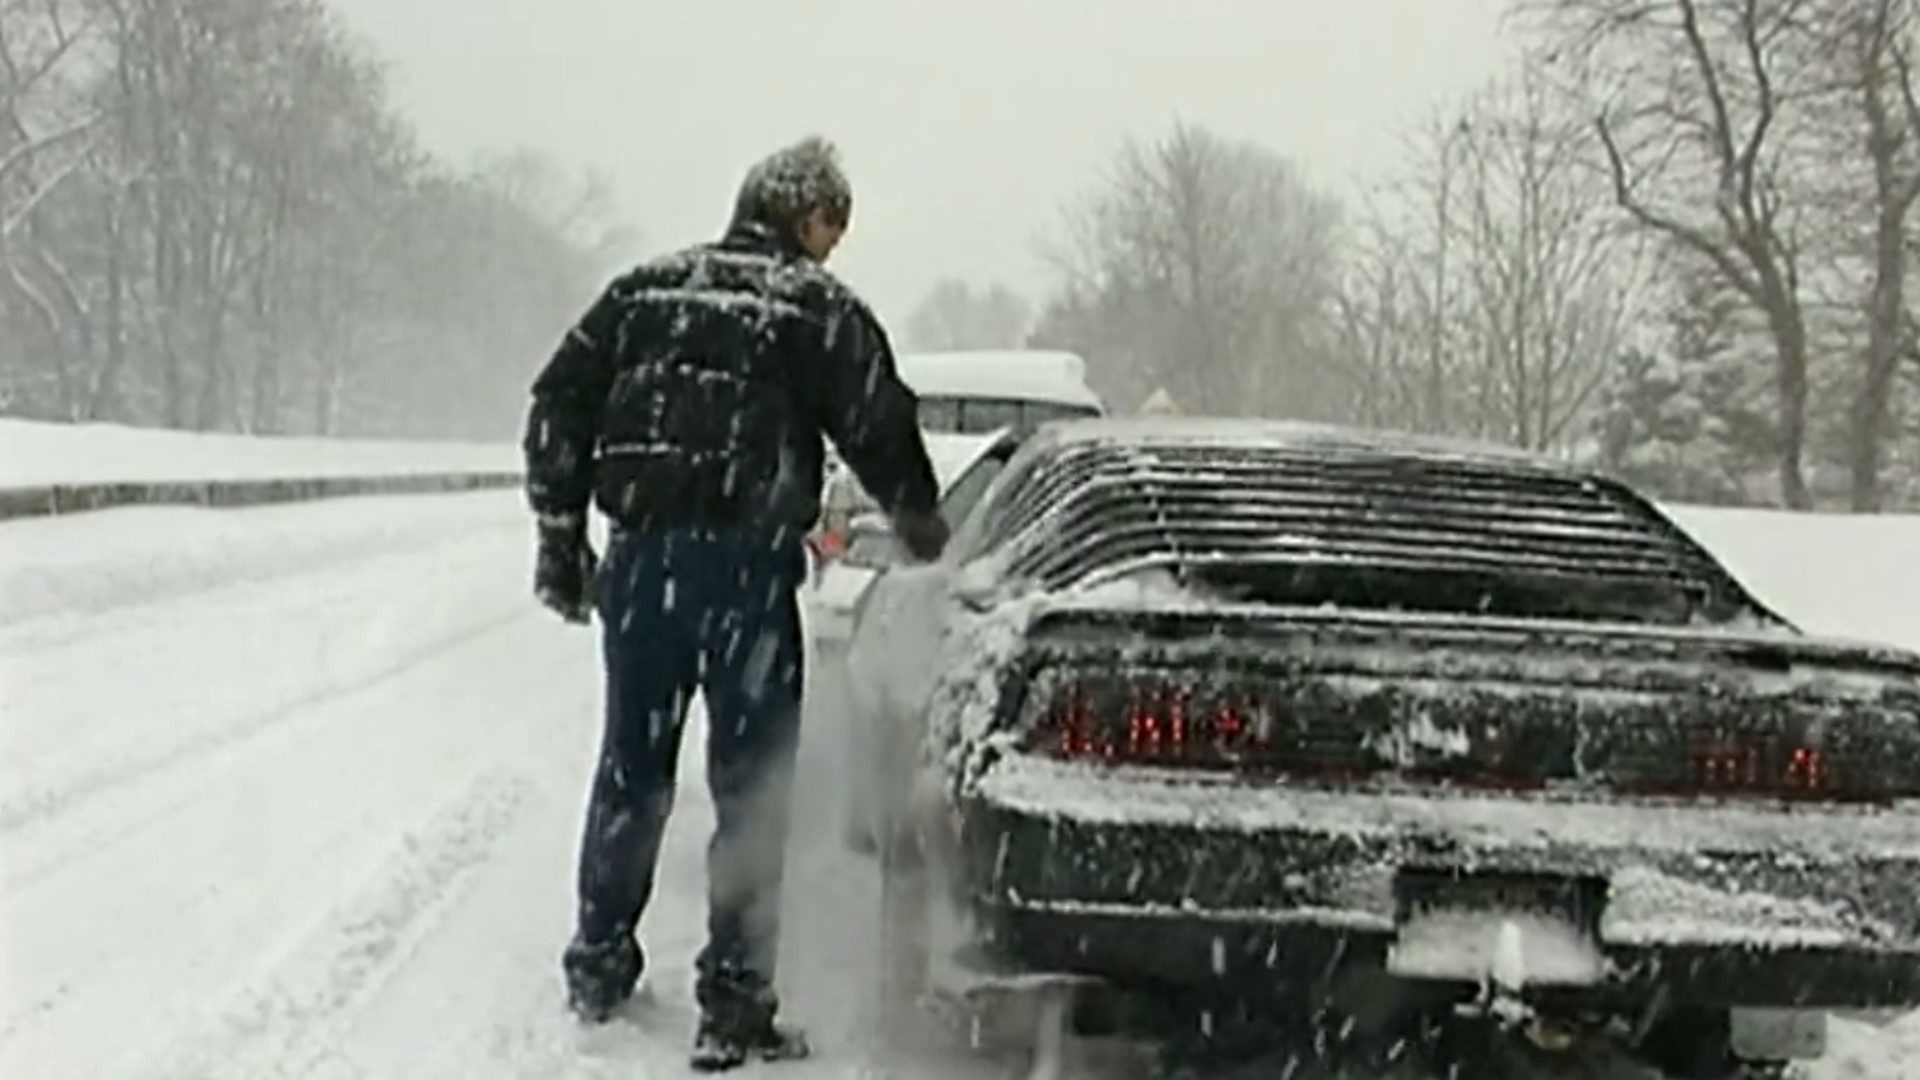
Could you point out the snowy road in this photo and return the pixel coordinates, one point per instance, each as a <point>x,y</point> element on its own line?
<point>305,805</point>
<point>294,792</point>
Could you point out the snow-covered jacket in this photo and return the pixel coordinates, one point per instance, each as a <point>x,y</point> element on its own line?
<point>697,388</point>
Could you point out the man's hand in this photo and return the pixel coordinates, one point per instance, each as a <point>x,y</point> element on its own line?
<point>564,569</point>
<point>923,533</point>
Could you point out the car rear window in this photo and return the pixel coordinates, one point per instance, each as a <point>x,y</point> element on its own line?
<point>1361,527</point>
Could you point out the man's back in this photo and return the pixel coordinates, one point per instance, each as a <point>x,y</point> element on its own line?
<point>696,391</point>
<point>706,417</point>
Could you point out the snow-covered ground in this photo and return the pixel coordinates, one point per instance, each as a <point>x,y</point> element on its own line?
<point>33,453</point>
<point>294,792</point>
<point>1844,575</point>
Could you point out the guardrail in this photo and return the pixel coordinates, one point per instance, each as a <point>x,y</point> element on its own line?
<point>54,499</point>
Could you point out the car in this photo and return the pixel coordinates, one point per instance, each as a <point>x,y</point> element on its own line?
<point>978,391</point>
<point>1212,735</point>
<point>844,564</point>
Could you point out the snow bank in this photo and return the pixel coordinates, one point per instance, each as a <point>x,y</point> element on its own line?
<point>1832,574</point>
<point>84,564</point>
<point>34,454</point>
<point>1860,1050</point>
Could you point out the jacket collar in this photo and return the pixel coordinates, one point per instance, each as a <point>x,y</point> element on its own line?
<point>754,235</point>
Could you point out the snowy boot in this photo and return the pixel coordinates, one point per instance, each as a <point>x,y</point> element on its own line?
<point>728,1040</point>
<point>601,978</point>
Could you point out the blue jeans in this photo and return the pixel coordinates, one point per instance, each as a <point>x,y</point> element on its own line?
<point>716,611</point>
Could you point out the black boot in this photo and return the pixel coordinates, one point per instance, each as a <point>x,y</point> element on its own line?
<point>730,1038</point>
<point>601,978</point>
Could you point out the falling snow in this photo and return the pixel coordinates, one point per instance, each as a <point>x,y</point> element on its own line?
<point>378,658</point>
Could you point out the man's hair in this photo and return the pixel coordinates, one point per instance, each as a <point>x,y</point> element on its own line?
<point>785,186</point>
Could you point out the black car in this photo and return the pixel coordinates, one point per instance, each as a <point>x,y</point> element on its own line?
<point>1229,724</point>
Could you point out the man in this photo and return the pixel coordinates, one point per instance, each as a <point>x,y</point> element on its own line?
<point>689,404</point>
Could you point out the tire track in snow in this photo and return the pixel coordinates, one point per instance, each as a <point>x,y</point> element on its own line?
<point>52,799</point>
<point>285,1024</point>
<point>139,682</point>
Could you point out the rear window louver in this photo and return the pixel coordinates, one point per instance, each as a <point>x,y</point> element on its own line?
<point>1099,510</point>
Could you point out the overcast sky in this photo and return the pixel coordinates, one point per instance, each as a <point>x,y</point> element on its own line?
<point>964,123</point>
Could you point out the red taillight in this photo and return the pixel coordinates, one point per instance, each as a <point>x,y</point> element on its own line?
<point>1311,730</point>
<point>1809,770</point>
<point>1165,724</point>
<point>1765,768</point>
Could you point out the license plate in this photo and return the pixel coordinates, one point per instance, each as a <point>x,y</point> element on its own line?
<point>1518,929</point>
<point>1778,1034</point>
<point>1425,891</point>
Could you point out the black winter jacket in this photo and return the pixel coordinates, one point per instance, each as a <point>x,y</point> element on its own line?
<point>697,388</point>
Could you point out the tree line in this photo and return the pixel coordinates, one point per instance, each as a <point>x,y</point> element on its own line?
<point>212,218</point>
<point>1675,238</point>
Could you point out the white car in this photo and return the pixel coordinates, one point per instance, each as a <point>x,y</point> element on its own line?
<point>983,391</point>
<point>842,567</point>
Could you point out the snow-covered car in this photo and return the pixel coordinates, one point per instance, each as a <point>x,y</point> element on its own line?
<point>846,557</point>
<point>1227,725</point>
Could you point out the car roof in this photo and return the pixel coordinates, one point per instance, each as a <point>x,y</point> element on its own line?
<point>1192,431</point>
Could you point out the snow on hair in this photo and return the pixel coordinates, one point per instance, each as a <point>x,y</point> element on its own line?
<point>796,180</point>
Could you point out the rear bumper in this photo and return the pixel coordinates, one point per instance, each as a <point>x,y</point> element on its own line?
<point>1140,879</point>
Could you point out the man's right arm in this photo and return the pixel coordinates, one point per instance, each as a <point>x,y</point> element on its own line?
<point>872,416</point>
<point>563,421</point>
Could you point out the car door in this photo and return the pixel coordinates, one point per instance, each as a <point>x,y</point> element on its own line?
<point>893,652</point>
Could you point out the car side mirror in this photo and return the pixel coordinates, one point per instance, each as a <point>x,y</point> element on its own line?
<point>871,544</point>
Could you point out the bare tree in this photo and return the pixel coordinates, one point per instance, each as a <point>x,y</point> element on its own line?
<point>213,218</point>
<point>1399,324</point>
<point>44,128</point>
<point>580,209</point>
<point>1490,297</point>
<point>1391,338</point>
<point>38,38</point>
<point>1219,260</point>
<point>1870,44</point>
<point>1698,145</point>
<point>1548,283</point>
<point>956,315</point>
